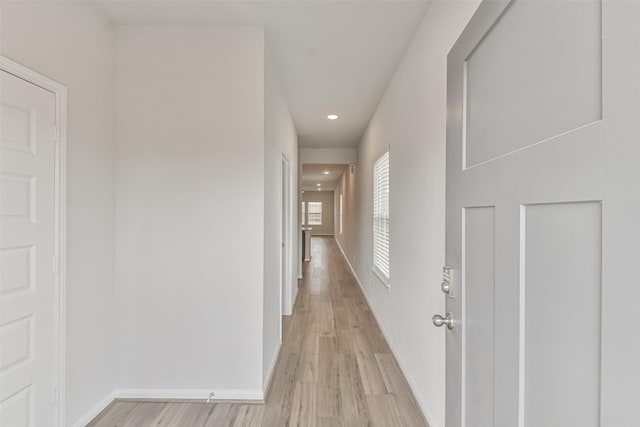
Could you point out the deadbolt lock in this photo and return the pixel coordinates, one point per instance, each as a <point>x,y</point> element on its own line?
<point>448,281</point>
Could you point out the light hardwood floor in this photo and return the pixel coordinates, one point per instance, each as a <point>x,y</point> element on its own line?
<point>335,367</point>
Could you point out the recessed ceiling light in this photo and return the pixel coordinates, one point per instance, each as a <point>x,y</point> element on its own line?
<point>326,172</point>
<point>332,117</point>
<point>319,189</point>
<point>318,185</point>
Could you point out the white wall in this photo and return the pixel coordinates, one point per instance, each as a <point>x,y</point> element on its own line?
<point>328,156</point>
<point>190,210</point>
<point>411,118</point>
<point>73,44</point>
<point>280,139</point>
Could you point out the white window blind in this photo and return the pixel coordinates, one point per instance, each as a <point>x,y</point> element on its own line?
<point>304,214</point>
<point>341,214</point>
<point>314,213</point>
<point>381,217</point>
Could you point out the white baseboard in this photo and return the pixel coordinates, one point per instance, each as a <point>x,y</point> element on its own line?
<point>191,394</point>
<point>423,406</point>
<point>95,410</point>
<point>346,258</point>
<point>272,367</point>
<point>294,295</point>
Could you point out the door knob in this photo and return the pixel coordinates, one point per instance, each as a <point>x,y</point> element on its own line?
<point>440,321</point>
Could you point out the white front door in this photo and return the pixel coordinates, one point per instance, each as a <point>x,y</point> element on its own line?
<point>527,137</point>
<point>27,287</point>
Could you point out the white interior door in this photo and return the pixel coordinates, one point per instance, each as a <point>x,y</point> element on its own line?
<point>27,287</point>
<point>526,137</point>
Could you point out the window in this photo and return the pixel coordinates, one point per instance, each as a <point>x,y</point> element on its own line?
<point>304,214</point>
<point>381,217</point>
<point>314,214</point>
<point>341,214</point>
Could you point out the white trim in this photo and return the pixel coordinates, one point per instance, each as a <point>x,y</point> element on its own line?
<point>350,266</point>
<point>60,184</point>
<point>463,321</point>
<point>414,388</point>
<point>272,368</point>
<point>191,394</point>
<point>340,211</point>
<point>95,411</point>
<point>522,318</point>
<point>381,277</point>
<point>286,263</point>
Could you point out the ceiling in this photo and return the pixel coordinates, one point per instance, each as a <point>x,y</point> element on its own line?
<point>335,57</point>
<point>315,174</point>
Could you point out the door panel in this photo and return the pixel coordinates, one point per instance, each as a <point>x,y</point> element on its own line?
<point>522,76</point>
<point>17,273</point>
<point>17,343</point>
<point>17,126</point>
<point>524,186</point>
<point>561,259</point>
<point>16,201</point>
<point>18,409</point>
<point>27,240</point>
<point>479,261</point>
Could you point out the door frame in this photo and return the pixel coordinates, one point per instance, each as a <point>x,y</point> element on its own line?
<point>60,229</point>
<point>286,198</point>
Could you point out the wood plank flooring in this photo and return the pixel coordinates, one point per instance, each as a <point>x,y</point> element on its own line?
<point>335,368</point>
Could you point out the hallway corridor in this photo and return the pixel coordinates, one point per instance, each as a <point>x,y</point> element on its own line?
<point>335,367</point>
